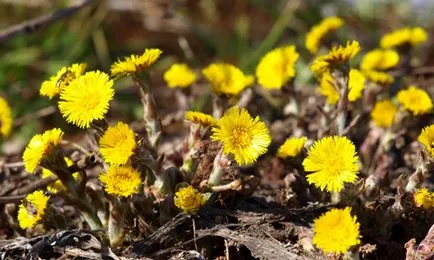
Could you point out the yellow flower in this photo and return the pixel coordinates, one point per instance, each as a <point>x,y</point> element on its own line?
<point>318,32</point>
<point>53,86</point>
<point>291,147</point>
<point>337,56</point>
<point>378,76</point>
<point>179,75</point>
<point>5,118</point>
<point>121,181</point>
<point>86,99</point>
<point>383,113</point>
<point>336,231</point>
<point>226,78</point>
<point>135,63</point>
<point>32,209</point>
<point>244,137</point>
<point>416,100</point>
<point>117,144</point>
<point>406,35</point>
<point>356,85</point>
<point>379,59</point>
<point>40,146</point>
<point>277,67</point>
<point>200,118</point>
<point>423,198</point>
<point>333,161</point>
<point>189,200</point>
<point>426,138</point>
<point>57,185</point>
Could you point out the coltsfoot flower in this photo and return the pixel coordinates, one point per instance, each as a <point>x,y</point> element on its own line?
<point>5,118</point>
<point>291,147</point>
<point>56,83</point>
<point>226,79</point>
<point>57,185</point>
<point>117,144</point>
<point>32,209</point>
<point>135,63</point>
<point>406,35</point>
<point>40,147</point>
<point>383,113</point>
<point>378,77</point>
<point>333,161</point>
<point>86,99</point>
<point>424,198</point>
<point>336,231</point>
<point>200,118</point>
<point>356,85</point>
<point>189,200</point>
<point>416,100</point>
<point>379,59</point>
<point>320,30</point>
<point>277,67</point>
<point>179,75</point>
<point>242,136</point>
<point>426,138</point>
<point>122,181</point>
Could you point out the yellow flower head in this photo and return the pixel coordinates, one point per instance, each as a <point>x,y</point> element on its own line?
<point>406,35</point>
<point>135,63</point>
<point>356,86</point>
<point>383,113</point>
<point>291,147</point>
<point>336,231</point>
<point>426,138</point>
<point>179,75</point>
<point>379,59</point>
<point>32,209</point>
<point>200,118</point>
<point>277,67</point>
<point>189,200</point>
<point>39,147</point>
<point>244,137</point>
<point>5,118</point>
<point>333,161</point>
<point>53,86</point>
<point>415,100</point>
<point>57,185</point>
<point>121,181</point>
<point>423,198</point>
<point>117,144</point>
<point>226,79</point>
<point>318,32</point>
<point>378,77</point>
<point>86,99</point>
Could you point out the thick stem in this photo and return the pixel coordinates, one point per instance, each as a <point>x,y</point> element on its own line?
<point>341,120</point>
<point>220,103</point>
<point>116,223</point>
<point>219,165</point>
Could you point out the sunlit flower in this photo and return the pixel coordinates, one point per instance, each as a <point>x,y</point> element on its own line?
<point>40,146</point>
<point>121,181</point>
<point>5,118</point>
<point>86,99</point>
<point>57,185</point>
<point>426,138</point>
<point>378,77</point>
<point>336,231</point>
<point>32,209</point>
<point>423,198</point>
<point>135,63</point>
<point>406,35</point>
<point>333,161</point>
<point>179,75</point>
<point>53,86</point>
<point>200,118</point>
<point>383,113</point>
<point>356,85</point>
<point>226,78</point>
<point>291,147</point>
<point>117,144</point>
<point>189,200</point>
<point>318,32</point>
<point>277,67</point>
<point>379,59</point>
<point>242,136</point>
<point>415,100</point>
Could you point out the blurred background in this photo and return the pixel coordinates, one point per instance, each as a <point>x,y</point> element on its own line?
<point>194,31</point>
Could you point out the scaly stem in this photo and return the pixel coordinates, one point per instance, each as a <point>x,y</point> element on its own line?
<point>116,223</point>
<point>341,119</point>
<point>219,165</point>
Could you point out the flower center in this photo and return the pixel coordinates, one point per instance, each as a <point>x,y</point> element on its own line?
<point>90,103</point>
<point>335,165</point>
<point>241,137</point>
